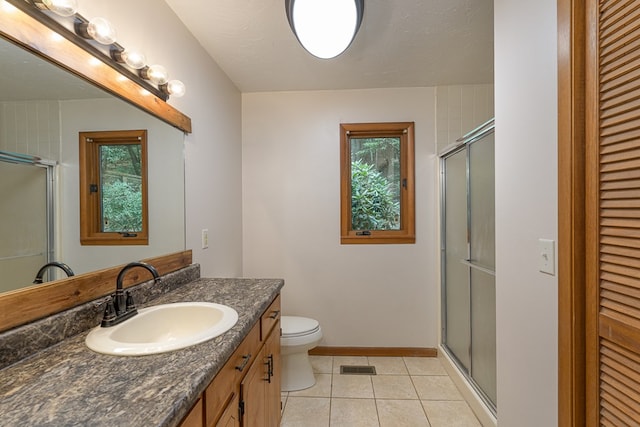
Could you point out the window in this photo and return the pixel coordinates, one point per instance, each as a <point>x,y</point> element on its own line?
<point>377,183</point>
<point>113,188</point>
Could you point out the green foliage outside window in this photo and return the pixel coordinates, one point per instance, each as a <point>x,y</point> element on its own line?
<point>375,178</point>
<point>373,204</point>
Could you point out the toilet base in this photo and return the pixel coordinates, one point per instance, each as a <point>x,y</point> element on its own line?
<point>297,373</point>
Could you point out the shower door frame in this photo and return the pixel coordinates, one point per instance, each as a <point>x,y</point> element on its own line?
<point>462,144</point>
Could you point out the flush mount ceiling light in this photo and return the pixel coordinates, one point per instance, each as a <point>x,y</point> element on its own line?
<point>325,28</point>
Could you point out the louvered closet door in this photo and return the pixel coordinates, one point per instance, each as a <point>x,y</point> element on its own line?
<point>614,377</point>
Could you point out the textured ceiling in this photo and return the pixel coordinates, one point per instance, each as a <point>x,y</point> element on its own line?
<point>402,43</point>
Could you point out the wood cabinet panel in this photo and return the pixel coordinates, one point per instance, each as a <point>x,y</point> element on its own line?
<point>195,418</point>
<point>253,393</point>
<point>231,416</point>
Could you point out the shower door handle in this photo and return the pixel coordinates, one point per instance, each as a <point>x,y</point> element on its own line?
<point>469,263</point>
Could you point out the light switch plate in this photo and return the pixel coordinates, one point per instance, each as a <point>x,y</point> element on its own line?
<point>547,256</point>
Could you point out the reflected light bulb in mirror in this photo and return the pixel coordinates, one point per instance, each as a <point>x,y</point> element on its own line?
<point>60,7</point>
<point>175,88</point>
<point>101,31</point>
<point>155,73</point>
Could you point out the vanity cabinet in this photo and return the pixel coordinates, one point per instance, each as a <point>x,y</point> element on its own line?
<point>246,391</point>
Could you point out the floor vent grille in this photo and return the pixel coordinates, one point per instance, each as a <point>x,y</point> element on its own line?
<point>357,370</point>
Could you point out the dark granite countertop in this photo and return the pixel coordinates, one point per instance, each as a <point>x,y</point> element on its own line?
<point>70,385</point>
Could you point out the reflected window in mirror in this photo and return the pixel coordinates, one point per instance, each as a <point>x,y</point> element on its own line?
<point>113,188</point>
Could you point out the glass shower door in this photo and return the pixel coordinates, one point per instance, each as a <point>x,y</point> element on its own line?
<point>468,260</point>
<point>482,263</point>
<point>457,297</point>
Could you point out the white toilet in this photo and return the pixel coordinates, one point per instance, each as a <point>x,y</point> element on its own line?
<point>299,335</point>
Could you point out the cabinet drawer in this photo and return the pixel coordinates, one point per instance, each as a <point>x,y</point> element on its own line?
<point>270,318</point>
<point>246,353</point>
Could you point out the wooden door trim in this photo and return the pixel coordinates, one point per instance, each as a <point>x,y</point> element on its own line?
<point>571,213</point>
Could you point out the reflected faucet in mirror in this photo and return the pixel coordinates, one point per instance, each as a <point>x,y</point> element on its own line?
<point>64,267</point>
<point>121,306</point>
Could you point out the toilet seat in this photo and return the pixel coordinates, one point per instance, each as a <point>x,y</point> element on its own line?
<point>294,326</point>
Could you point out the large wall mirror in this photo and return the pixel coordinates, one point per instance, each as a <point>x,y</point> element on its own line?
<point>42,110</point>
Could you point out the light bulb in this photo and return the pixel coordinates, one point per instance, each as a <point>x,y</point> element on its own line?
<point>156,74</point>
<point>134,59</point>
<point>61,7</point>
<point>101,31</point>
<point>175,88</point>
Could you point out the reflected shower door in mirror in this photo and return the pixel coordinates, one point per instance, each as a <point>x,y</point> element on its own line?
<point>26,218</point>
<point>42,111</point>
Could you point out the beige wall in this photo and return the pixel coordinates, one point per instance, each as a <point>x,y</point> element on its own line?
<point>526,210</point>
<point>362,295</point>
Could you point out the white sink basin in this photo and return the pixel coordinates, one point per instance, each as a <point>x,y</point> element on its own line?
<point>163,328</point>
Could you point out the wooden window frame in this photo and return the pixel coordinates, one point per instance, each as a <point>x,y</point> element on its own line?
<point>90,230</point>
<point>406,233</point>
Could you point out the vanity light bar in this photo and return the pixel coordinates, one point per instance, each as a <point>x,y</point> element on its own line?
<point>96,36</point>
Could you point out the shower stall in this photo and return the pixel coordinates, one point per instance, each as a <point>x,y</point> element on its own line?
<point>468,259</point>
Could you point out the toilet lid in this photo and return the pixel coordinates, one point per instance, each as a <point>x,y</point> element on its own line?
<point>294,326</point>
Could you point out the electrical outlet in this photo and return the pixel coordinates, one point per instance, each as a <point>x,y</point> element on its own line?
<point>205,238</point>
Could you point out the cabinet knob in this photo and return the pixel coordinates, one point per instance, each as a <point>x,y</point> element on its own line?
<point>274,314</point>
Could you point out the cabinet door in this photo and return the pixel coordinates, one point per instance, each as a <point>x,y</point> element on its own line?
<point>230,417</point>
<point>253,392</point>
<point>272,351</point>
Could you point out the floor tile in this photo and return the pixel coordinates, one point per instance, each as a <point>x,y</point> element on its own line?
<point>450,414</point>
<point>322,387</point>
<point>393,387</point>
<point>409,391</point>
<point>401,413</point>
<point>348,360</point>
<point>424,366</point>
<point>353,413</point>
<point>436,388</point>
<point>389,365</point>
<point>322,364</point>
<point>306,412</point>
<point>355,386</point>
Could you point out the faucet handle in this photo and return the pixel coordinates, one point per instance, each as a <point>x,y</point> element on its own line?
<point>130,305</point>
<point>109,313</point>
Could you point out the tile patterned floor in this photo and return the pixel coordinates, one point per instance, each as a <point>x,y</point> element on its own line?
<point>407,391</point>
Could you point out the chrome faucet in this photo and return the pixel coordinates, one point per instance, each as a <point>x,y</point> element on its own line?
<point>121,306</point>
<point>64,267</point>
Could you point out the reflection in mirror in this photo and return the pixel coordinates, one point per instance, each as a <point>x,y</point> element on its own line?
<point>42,111</point>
